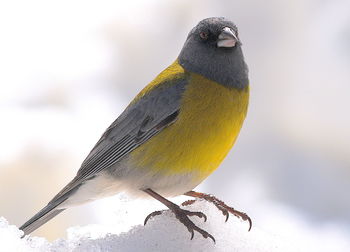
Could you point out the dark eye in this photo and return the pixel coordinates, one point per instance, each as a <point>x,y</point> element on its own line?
<point>204,35</point>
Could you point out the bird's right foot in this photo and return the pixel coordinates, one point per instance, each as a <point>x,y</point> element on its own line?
<point>182,215</point>
<point>225,209</point>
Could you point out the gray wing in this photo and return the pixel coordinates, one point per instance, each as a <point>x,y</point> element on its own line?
<point>138,123</point>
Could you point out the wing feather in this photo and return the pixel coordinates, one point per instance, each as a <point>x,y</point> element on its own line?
<point>140,121</point>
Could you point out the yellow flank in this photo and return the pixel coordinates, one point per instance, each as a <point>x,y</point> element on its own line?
<point>210,118</point>
<point>172,72</point>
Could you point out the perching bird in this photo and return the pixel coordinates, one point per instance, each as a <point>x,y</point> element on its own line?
<point>174,133</point>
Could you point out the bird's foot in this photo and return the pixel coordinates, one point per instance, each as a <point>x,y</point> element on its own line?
<point>182,216</point>
<point>225,209</point>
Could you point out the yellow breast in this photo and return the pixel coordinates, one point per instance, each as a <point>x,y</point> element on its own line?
<point>208,124</point>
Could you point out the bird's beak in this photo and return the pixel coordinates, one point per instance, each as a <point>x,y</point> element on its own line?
<point>227,38</point>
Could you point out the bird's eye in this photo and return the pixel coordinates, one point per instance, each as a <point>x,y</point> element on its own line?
<point>204,35</point>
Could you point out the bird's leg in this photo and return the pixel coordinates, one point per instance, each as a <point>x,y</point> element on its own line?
<point>180,214</point>
<point>225,209</point>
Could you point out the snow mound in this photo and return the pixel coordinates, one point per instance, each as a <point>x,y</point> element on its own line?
<point>162,233</point>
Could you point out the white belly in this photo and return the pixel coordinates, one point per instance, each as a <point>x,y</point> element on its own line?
<point>132,181</point>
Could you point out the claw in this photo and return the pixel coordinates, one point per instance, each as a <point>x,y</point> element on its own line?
<point>226,214</point>
<point>212,237</point>
<point>223,211</point>
<point>153,214</point>
<point>204,216</point>
<point>198,214</point>
<point>219,204</point>
<point>250,223</point>
<point>241,215</point>
<point>192,233</point>
<point>205,234</point>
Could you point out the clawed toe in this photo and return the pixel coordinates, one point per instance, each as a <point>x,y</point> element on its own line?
<point>198,214</point>
<point>188,202</point>
<point>238,214</point>
<point>225,209</point>
<point>204,233</point>
<point>224,212</point>
<point>182,216</point>
<point>151,215</point>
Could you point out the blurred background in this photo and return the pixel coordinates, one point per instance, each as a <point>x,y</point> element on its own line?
<point>69,68</point>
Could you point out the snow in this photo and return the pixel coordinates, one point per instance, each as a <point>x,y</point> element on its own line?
<point>162,233</point>
<point>284,231</point>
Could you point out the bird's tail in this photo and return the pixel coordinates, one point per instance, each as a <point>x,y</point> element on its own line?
<point>51,210</point>
<point>43,216</point>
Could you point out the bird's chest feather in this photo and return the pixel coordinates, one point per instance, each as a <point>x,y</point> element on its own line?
<point>209,121</point>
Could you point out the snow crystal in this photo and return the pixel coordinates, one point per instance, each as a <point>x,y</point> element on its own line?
<point>162,233</point>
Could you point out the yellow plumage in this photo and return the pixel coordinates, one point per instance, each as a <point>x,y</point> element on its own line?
<point>211,116</point>
<point>172,72</point>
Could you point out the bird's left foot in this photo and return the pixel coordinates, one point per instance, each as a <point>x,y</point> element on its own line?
<point>225,209</point>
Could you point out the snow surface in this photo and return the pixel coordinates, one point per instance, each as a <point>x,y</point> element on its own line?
<point>162,233</point>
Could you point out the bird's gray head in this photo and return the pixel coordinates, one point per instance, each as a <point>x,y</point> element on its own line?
<point>213,50</point>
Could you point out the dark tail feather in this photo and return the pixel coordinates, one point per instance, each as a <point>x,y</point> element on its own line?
<point>50,211</point>
<point>45,214</point>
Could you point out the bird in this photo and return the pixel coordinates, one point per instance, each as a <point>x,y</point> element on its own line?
<point>173,134</point>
